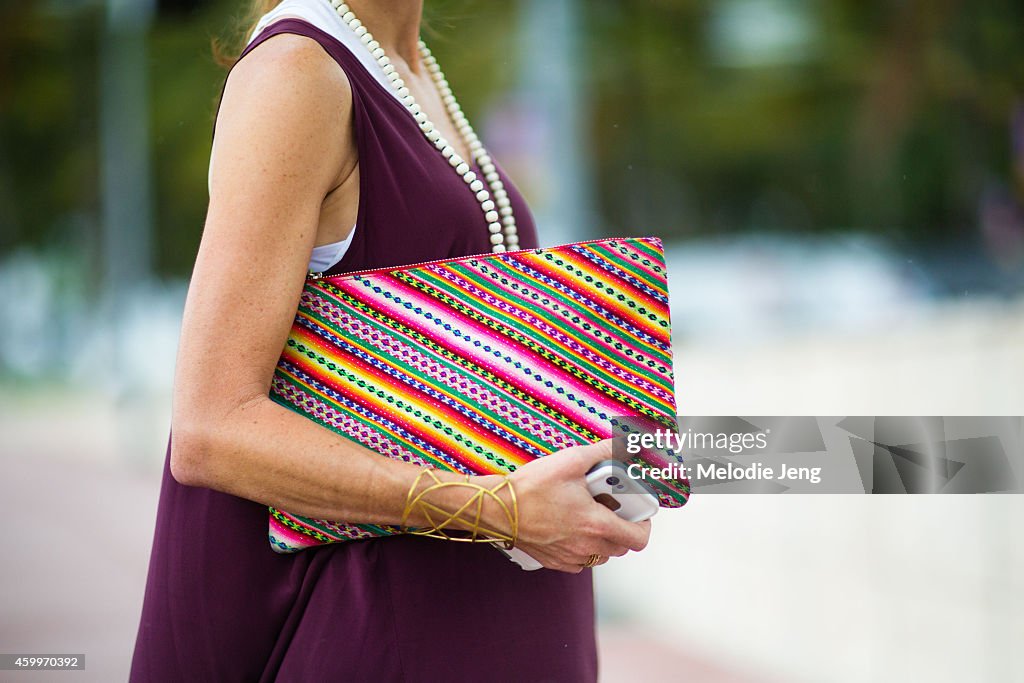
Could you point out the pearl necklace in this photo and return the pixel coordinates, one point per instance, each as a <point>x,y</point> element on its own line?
<point>497,208</point>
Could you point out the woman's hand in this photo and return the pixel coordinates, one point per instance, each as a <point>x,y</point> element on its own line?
<point>560,524</point>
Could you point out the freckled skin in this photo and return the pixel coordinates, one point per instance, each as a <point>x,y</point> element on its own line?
<point>285,178</point>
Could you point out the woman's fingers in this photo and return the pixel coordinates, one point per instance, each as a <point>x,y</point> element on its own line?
<point>592,454</point>
<point>611,528</point>
<point>551,561</point>
<point>561,525</point>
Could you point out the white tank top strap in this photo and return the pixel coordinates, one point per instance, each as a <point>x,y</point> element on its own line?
<point>321,14</point>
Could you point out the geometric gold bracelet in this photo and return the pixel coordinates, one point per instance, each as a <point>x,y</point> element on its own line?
<point>443,524</point>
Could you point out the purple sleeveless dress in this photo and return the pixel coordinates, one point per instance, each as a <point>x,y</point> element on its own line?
<point>220,605</point>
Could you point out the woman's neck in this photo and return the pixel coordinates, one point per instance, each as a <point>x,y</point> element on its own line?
<point>395,24</point>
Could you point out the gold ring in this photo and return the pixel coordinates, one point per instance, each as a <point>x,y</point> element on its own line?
<point>592,561</point>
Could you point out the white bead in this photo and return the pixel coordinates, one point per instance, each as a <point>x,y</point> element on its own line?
<point>496,219</point>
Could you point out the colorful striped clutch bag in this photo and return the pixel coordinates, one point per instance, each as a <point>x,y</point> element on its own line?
<point>483,363</point>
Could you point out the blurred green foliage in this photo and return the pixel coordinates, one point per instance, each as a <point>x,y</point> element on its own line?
<point>706,117</point>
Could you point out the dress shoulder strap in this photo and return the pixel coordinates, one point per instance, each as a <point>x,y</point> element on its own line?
<point>321,15</point>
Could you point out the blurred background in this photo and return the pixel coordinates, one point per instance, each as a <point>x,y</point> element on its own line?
<point>840,186</point>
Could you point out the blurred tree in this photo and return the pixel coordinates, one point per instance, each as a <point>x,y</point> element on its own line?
<point>708,117</point>
<point>179,7</point>
<point>48,149</point>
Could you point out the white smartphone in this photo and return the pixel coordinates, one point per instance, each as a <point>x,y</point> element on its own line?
<point>611,486</point>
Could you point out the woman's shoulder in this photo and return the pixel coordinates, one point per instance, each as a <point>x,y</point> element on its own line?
<point>289,62</point>
<point>288,103</point>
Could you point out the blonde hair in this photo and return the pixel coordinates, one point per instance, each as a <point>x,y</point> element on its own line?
<point>226,52</point>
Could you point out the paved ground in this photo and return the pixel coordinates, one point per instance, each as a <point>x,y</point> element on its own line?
<point>841,589</point>
<point>72,577</point>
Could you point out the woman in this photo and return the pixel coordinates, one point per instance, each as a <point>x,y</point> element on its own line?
<point>322,161</point>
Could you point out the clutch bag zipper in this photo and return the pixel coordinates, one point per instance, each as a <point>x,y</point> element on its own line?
<point>390,269</point>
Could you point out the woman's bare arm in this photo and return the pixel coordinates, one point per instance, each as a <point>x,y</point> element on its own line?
<point>283,138</point>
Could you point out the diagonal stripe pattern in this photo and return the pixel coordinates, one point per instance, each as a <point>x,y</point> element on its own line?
<point>483,363</point>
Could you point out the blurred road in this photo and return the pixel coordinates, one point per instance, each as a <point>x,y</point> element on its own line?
<point>73,576</point>
<point>732,588</point>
